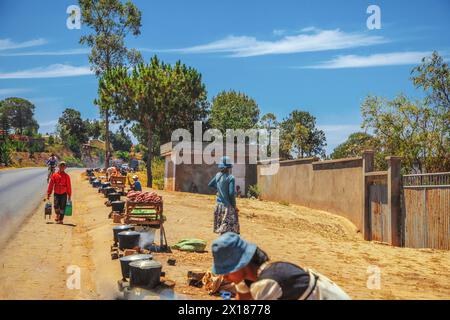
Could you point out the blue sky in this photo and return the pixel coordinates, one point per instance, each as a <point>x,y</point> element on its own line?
<point>317,56</point>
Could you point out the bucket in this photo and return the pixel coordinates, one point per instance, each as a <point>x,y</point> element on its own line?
<point>68,209</point>
<point>125,262</point>
<point>145,273</point>
<point>128,239</point>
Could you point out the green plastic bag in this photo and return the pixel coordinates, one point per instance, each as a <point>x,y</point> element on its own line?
<point>68,209</point>
<point>191,245</point>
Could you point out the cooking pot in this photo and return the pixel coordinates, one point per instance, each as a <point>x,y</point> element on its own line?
<point>108,190</point>
<point>118,229</point>
<point>106,184</point>
<point>128,239</point>
<point>125,261</point>
<point>145,273</point>
<point>118,206</point>
<point>96,183</point>
<point>114,196</point>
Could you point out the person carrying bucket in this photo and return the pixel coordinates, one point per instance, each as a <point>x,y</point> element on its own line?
<point>61,187</point>
<point>225,213</point>
<point>256,278</point>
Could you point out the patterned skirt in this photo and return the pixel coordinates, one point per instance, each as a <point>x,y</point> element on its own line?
<point>225,219</point>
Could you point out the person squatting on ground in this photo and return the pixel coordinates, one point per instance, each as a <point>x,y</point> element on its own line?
<point>225,213</point>
<point>256,278</point>
<point>136,184</point>
<point>61,187</point>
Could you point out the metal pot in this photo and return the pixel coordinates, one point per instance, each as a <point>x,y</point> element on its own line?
<point>145,273</point>
<point>118,206</point>
<point>118,229</point>
<point>106,184</point>
<point>114,196</point>
<point>125,262</point>
<point>108,190</point>
<point>128,239</point>
<point>96,184</point>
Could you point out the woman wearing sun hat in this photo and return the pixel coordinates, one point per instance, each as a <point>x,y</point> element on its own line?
<point>256,278</point>
<point>225,213</point>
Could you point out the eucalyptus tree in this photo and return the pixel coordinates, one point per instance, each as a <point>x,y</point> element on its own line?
<point>111,21</point>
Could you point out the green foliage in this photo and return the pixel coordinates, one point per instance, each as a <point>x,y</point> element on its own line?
<point>300,137</point>
<point>51,140</point>
<point>6,149</point>
<point>409,129</point>
<point>121,141</point>
<point>124,155</point>
<point>72,161</point>
<point>354,146</point>
<point>111,21</point>
<point>19,146</point>
<point>233,110</point>
<point>158,97</point>
<point>18,114</point>
<point>72,130</point>
<point>95,129</point>
<point>254,191</point>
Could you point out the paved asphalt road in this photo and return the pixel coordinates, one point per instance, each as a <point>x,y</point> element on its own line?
<point>21,191</point>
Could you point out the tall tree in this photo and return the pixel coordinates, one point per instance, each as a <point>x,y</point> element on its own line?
<point>72,130</point>
<point>111,21</point>
<point>354,146</point>
<point>121,141</point>
<point>233,110</point>
<point>410,129</point>
<point>300,137</point>
<point>20,115</point>
<point>156,96</point>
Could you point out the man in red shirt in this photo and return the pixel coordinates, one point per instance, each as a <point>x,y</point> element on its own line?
<point>60,185</point>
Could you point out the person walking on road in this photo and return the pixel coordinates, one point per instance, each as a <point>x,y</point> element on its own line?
<point>61,187</point>
<point>226,213</point>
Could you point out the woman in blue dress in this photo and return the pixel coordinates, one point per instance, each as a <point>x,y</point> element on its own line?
<point>225,213</point>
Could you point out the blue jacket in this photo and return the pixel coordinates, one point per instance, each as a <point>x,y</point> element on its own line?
<point>225,186</point>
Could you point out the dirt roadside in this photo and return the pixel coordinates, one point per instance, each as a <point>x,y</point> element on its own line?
<point>33,265</point>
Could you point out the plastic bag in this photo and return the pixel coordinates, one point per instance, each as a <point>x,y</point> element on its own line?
<point>68,209</point>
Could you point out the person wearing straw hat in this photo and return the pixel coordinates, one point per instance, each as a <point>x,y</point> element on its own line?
<point>256,278</point>
<point>225,213</point>
<point>136,184</point>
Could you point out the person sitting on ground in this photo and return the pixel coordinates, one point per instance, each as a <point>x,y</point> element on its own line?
<point>136,184</point>
<point>61,187</point>
<point>238,192</point>
<point>225,213</point>
<point>256,278</point>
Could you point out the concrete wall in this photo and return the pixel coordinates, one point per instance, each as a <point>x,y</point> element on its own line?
<point>335,186</point>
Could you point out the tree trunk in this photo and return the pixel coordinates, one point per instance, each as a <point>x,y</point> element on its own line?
<point>149,158</point>
<point>107,149</point>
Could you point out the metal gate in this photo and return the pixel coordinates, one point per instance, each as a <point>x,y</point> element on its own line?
<point>380,221</point>
<point>426,205</point>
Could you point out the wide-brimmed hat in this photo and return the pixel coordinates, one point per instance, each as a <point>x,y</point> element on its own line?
<point>135,177</point>
<point>63,163</point>
<point>225,162</point>
<point>231,253</point>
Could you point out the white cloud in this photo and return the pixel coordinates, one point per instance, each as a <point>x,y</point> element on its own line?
<point>52,71</point>
<point>12,91</point>
<point>7,44</point>
<point>309,40</point>
<point>374,60</point>
<point>79,51</point>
